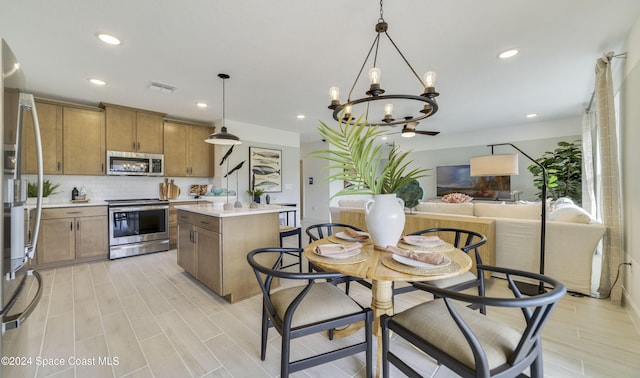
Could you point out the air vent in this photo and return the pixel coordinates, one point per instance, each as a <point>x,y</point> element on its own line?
<point>161,87</point>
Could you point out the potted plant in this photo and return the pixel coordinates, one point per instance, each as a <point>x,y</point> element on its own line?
<point>255,194</point>
<point>360,161</point>
<point>564,171</point>
<point>47,189</point>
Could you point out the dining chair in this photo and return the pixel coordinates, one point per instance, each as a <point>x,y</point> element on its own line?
<point>289,227</point>
<point>313,306</point>
<point>465,240</point>
<point>323,230</point>
<point>469,343</point>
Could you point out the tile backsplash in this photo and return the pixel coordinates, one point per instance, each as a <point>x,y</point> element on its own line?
<point>117,187</point>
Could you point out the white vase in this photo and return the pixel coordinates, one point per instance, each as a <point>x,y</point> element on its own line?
<point>384,217</point>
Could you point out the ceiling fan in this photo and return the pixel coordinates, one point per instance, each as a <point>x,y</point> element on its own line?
<point>409,130</point>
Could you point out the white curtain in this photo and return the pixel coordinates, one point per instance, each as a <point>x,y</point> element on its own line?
<point>604,164</point>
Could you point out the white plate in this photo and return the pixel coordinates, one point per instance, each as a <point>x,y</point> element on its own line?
<point>342,235</point>
<point>417,241</point>
<point>420,264</point>
<point>343,255</point>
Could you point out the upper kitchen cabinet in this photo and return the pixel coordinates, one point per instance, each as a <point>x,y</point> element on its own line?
<point>185,151</point>
<point>133,130</point>
<point>50,120</point>
<point>83,133</point>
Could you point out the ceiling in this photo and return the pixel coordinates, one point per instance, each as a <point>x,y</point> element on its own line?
<point>284,55</point>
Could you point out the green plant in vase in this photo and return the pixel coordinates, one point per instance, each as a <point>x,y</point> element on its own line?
<point>564,171</point>
<point>359,159</point>
<point>47,189</point>
<point>255,194</point>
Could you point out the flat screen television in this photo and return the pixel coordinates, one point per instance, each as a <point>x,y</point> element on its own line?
<point>457,178</point>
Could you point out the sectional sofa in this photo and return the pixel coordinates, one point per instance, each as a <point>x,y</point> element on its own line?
<point>572,235</point>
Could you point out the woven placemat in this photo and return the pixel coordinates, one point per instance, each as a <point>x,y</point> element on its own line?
<point>446,247</point>
<point>337,240</point>
<point>362,256</point>
<point>389,262</point>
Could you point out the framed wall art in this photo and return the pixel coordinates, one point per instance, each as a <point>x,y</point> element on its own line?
<point>265,169</point>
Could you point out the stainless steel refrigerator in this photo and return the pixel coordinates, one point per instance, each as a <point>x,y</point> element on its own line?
<point>18,246</point>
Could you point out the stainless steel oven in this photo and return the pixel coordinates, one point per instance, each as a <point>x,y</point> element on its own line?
<point>138,226</point>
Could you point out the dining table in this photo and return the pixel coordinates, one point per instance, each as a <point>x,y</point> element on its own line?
<point>379,265</point>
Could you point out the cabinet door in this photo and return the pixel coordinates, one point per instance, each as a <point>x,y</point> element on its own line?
<point>83,135</point>
<point>121,129</point>
<point>50,120</point>
<point>186,248</point>
<point>149,133</point>
<point>56,240</point>
<point>209,264</point>
<point>201,153</point>
<point>91,236</point>
<point>175,149</point>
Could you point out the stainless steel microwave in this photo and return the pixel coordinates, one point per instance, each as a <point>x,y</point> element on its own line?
<point>121,163</point>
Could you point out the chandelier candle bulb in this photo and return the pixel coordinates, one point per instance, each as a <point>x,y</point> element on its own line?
<point>374,75</point>
<point>430,79</point>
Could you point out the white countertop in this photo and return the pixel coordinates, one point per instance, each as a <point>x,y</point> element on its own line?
<point>220,212</point>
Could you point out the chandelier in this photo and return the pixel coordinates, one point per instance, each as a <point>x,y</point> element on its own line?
<point>427,105</point>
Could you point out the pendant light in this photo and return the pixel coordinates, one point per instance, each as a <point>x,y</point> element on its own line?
<point>223,137</point>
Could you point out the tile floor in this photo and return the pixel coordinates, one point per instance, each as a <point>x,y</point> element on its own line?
<point>144,317</point>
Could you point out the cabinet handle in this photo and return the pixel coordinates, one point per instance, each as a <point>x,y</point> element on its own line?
<point>71,226</point>
<point>204,222</point>
<point>73,212</point>
<point>102,167</point>
<point>78,226</point>
<point>58,167</point>
<point>138,146</point>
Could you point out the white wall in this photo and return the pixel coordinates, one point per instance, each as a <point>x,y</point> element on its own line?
<point>457,156</point>
<point>630,135</point>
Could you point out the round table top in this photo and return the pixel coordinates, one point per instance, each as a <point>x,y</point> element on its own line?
<point>376,264</point>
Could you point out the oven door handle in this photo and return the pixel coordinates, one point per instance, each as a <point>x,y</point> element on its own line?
<point>14,321</point>
<point>129,209</point>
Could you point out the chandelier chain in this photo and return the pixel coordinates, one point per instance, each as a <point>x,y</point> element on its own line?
<point>381,18</point>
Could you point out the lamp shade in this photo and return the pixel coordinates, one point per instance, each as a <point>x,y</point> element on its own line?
<point>223,137</point>
<point>494,165</point>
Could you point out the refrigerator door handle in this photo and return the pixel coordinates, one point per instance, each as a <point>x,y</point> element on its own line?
<point>27,101</point>
<point>14,321</point>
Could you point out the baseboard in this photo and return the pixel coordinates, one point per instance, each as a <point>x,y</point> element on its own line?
<point>632,308</point>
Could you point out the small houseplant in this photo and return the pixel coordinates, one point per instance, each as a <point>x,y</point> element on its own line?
<point>47,189</point>
<point>255,194</point>
<point>359,160</point>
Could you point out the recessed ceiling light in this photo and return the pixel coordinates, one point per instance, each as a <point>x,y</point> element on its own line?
<point>508,53</point>
<point>201,105</point>
<point>384,137</point>
<point>300,116</point>
<point>108,38</point>
<point>532,115</point>
<point>98,82</point>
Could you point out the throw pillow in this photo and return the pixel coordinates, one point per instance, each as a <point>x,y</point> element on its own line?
<point>570,213</point>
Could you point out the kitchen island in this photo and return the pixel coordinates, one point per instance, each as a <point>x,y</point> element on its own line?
<point>213,244</point>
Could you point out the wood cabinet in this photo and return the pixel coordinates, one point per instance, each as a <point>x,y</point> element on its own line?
<point>199,246</point>
<point>214,249</point>
<point>133,130</point>
<point>173,220</point>
<point>50,120</point>
<point>185,151</point>
<point>83,133</point>
<point>72,234</point>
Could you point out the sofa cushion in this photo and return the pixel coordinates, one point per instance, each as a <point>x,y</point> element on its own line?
<point>446,208</point>
<point>518,211</point>
<point>570,213</point>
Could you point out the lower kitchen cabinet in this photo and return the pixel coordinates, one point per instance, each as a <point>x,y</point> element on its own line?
<point>173,220</point>
<point>72,234</point>
<point>214,250</point>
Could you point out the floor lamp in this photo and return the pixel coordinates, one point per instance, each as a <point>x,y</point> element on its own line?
<point>507,165</point>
